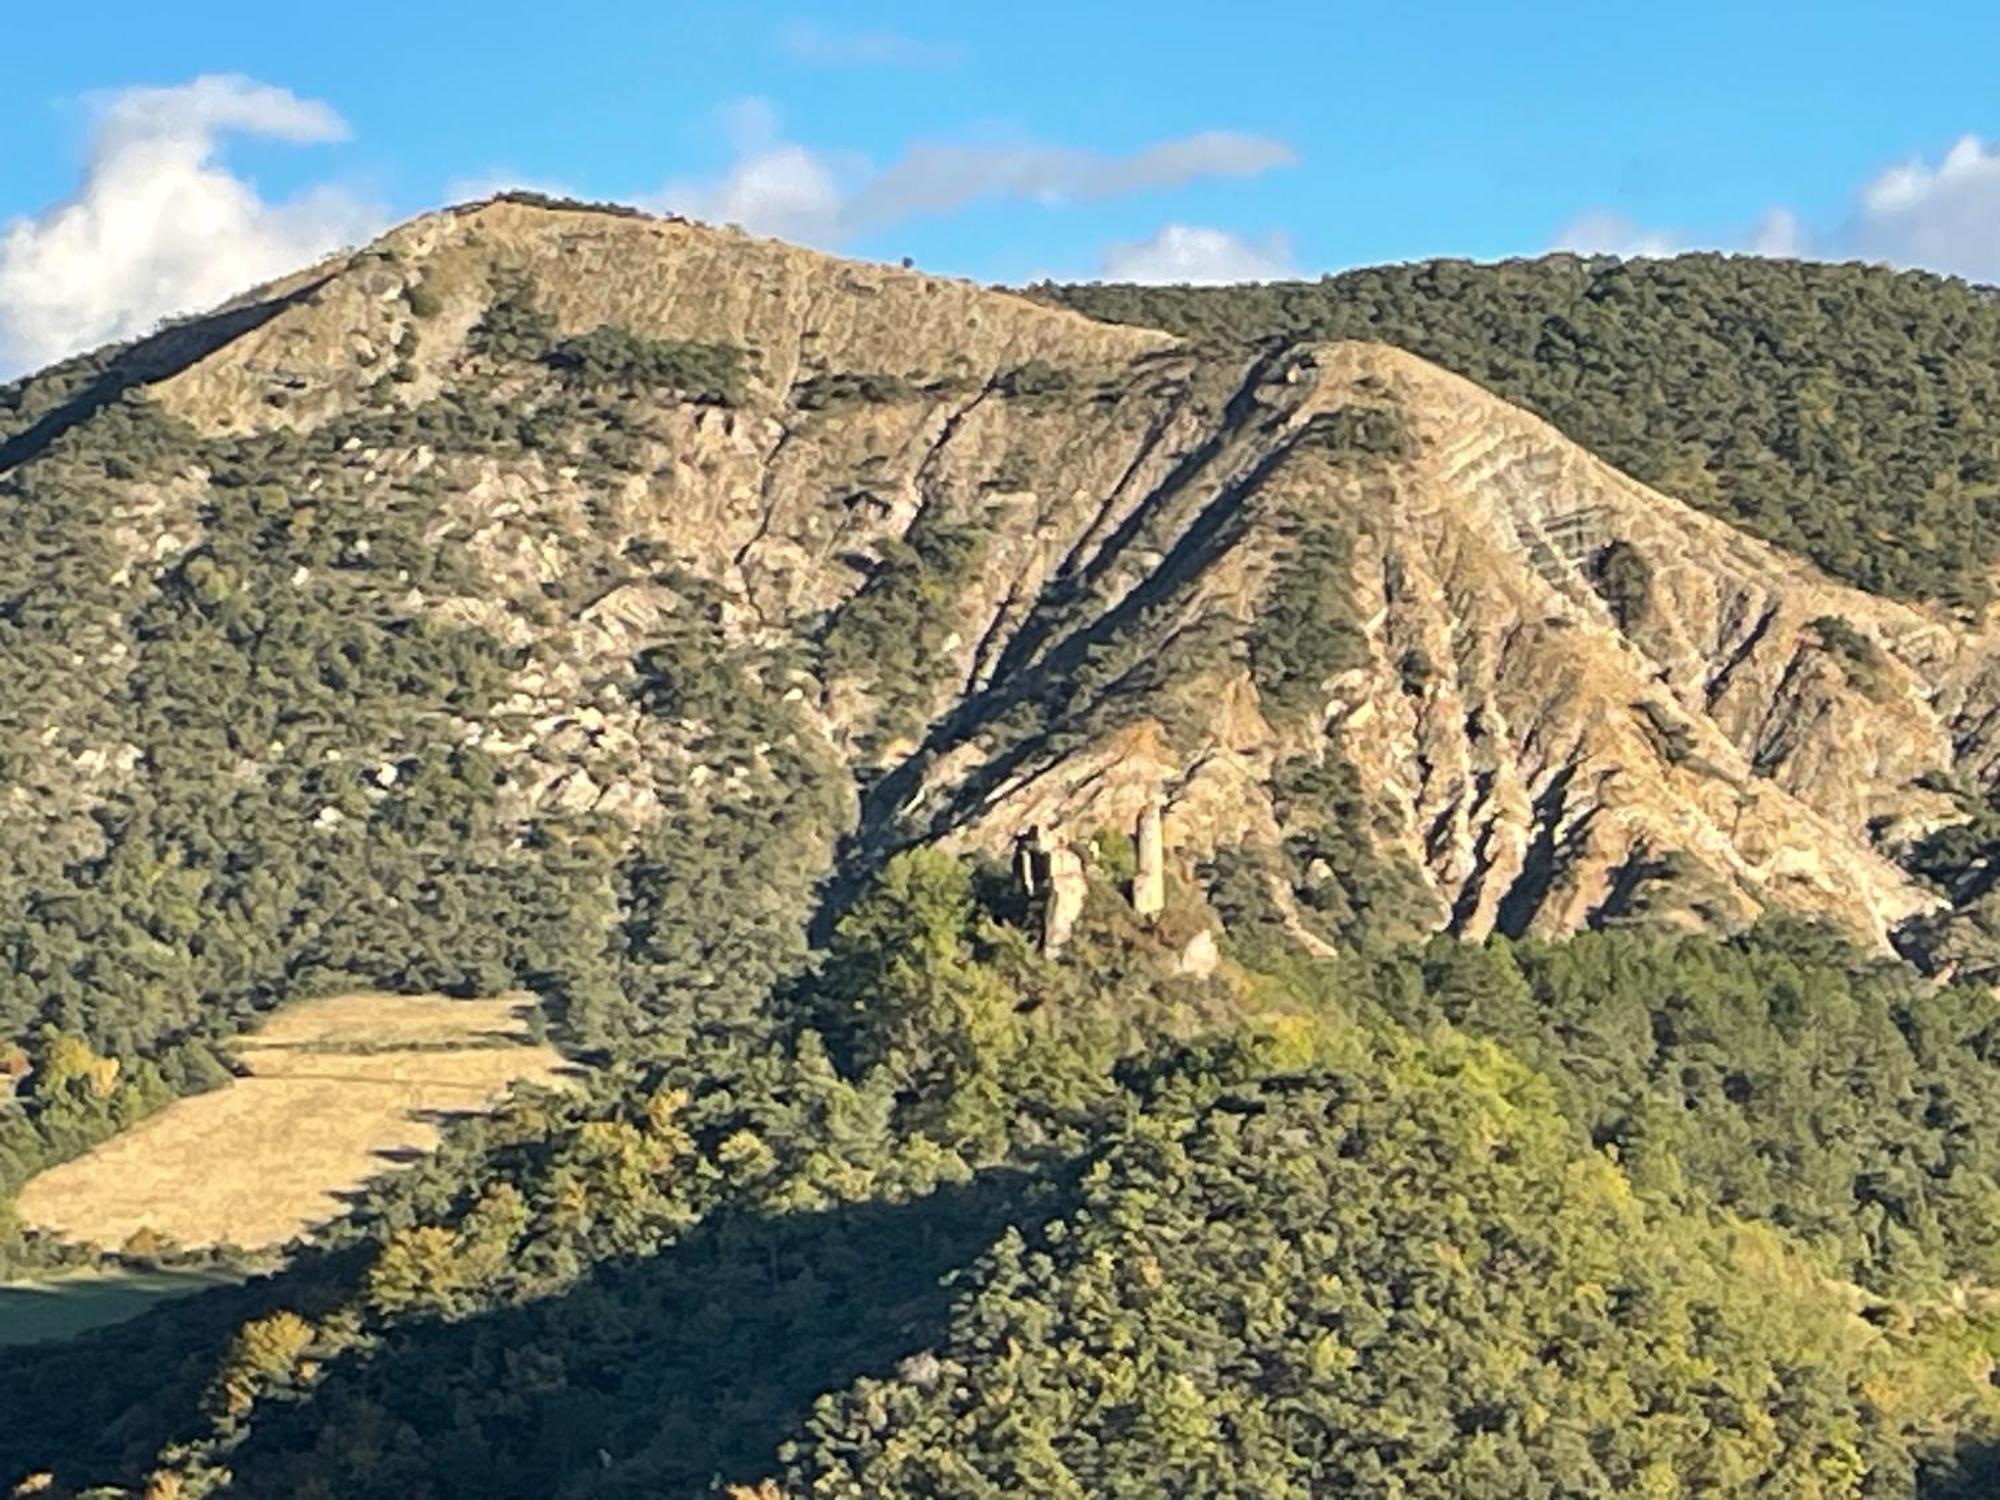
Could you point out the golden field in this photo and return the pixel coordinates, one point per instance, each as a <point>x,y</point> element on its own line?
<point>336,1091</point>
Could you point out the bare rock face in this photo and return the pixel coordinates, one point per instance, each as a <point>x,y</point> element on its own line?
<point>1199,956</point>
<point>1745,712</point>
<point>1149,882</point>
<point>1067,892</point>
<point>1029,572</point>
<point>1051,875</point>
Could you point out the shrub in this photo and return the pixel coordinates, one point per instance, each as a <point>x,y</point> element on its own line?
<point>612,356</point>
<point>1354,431</point>
<point>1866,664</point>
<point>1306,630</point>
<point>846,387</point>
<point>1035,381</point>
<point>1624,580</point>
<point>424,303</point>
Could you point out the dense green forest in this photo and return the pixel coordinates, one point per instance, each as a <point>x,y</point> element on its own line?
<point>1848,412</point>
<point>1439,1221</point>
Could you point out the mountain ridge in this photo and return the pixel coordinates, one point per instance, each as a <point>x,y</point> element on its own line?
<point>1106,492</point>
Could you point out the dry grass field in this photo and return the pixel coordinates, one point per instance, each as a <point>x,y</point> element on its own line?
<point>337,1091</point>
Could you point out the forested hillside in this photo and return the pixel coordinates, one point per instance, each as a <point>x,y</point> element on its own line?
<point>1348,1243</point>
<point>1129,916</point>
<point>1849,412</point>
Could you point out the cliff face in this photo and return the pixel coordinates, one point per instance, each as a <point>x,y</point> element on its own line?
<point>1016,570</point>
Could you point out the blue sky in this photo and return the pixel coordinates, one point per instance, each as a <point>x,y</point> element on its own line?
<point>1159,140</point>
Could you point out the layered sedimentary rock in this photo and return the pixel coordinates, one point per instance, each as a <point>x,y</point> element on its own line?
<point>1017,570</point>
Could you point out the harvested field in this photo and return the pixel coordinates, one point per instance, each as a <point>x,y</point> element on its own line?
<point>337,1091</point>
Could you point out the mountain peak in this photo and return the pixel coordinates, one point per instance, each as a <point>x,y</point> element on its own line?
<point>794,312</point>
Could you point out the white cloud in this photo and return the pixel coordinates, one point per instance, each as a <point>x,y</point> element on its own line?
<point>1191,255</point>
<point>1946,218</point>
<point>808,43</point>
<point>210,105</point>
<point>750,124</point>
<point>774,186</point>
<point>1601,233</point>
<point>1942,218</point>
<point>158,226</point>
<point>1779,233</point>
<point>934,179</point>
<point>780,188</point>
<point>785,191</point>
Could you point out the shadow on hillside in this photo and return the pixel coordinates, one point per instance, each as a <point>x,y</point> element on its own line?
<point>1973,1473</point>
<point>664,1376</point>
<point>652,1376</point>
<point>165,353</point>
<point>96,1408</point>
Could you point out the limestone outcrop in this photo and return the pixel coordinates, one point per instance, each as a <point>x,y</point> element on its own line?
<point>1051,876</point>
<point>1149,881</point>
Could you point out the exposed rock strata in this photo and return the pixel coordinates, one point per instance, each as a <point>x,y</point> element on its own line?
<point>1546,759</point>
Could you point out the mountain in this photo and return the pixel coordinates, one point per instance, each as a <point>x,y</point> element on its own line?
<point>1005,568</point>
<point>943,764</point>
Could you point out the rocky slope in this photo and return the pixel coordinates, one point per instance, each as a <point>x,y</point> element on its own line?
<point>1016,570</point>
